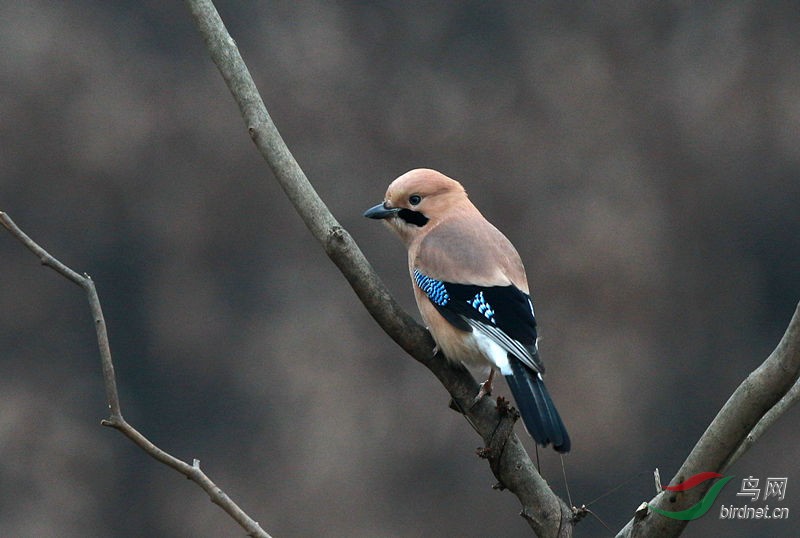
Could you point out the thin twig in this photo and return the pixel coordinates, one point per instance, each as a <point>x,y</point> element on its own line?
<point>115,419</point>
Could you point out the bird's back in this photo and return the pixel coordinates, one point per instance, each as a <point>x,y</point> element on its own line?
<point>448,252</point>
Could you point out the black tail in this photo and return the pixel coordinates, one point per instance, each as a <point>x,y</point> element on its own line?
<point>536,407</point>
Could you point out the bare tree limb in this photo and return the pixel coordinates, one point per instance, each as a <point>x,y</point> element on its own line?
<point>783,405</point>
<point>115,419</point>
<point>547,514</point>
<point>764,392</point>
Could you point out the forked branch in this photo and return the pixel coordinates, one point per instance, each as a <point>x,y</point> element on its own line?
<point>757,403</point>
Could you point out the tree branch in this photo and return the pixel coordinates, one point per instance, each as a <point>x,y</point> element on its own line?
<point>547,514</point>
<point>771,416</point>
<point>115,419</point>
<point>760,399</point>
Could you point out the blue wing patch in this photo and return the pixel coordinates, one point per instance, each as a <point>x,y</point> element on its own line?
<point>479,303</point>
<point>433,288</point>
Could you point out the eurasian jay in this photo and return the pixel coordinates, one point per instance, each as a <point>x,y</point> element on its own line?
<point>471,289</point>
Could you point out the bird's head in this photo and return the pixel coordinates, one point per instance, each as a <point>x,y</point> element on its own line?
<point>417,200</point>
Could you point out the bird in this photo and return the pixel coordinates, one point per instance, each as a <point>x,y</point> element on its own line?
<point>472,292</point>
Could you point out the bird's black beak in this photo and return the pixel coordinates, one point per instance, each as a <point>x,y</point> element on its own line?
<point>380,211</point>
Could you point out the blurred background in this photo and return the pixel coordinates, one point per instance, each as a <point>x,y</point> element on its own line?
<point>645,160</point>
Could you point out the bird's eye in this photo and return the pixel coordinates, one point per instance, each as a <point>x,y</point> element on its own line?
<point>414,199</point>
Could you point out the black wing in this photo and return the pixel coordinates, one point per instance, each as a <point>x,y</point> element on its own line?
<point>503,313</point>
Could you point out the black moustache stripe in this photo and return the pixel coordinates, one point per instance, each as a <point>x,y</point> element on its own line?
<point>413,217</point>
